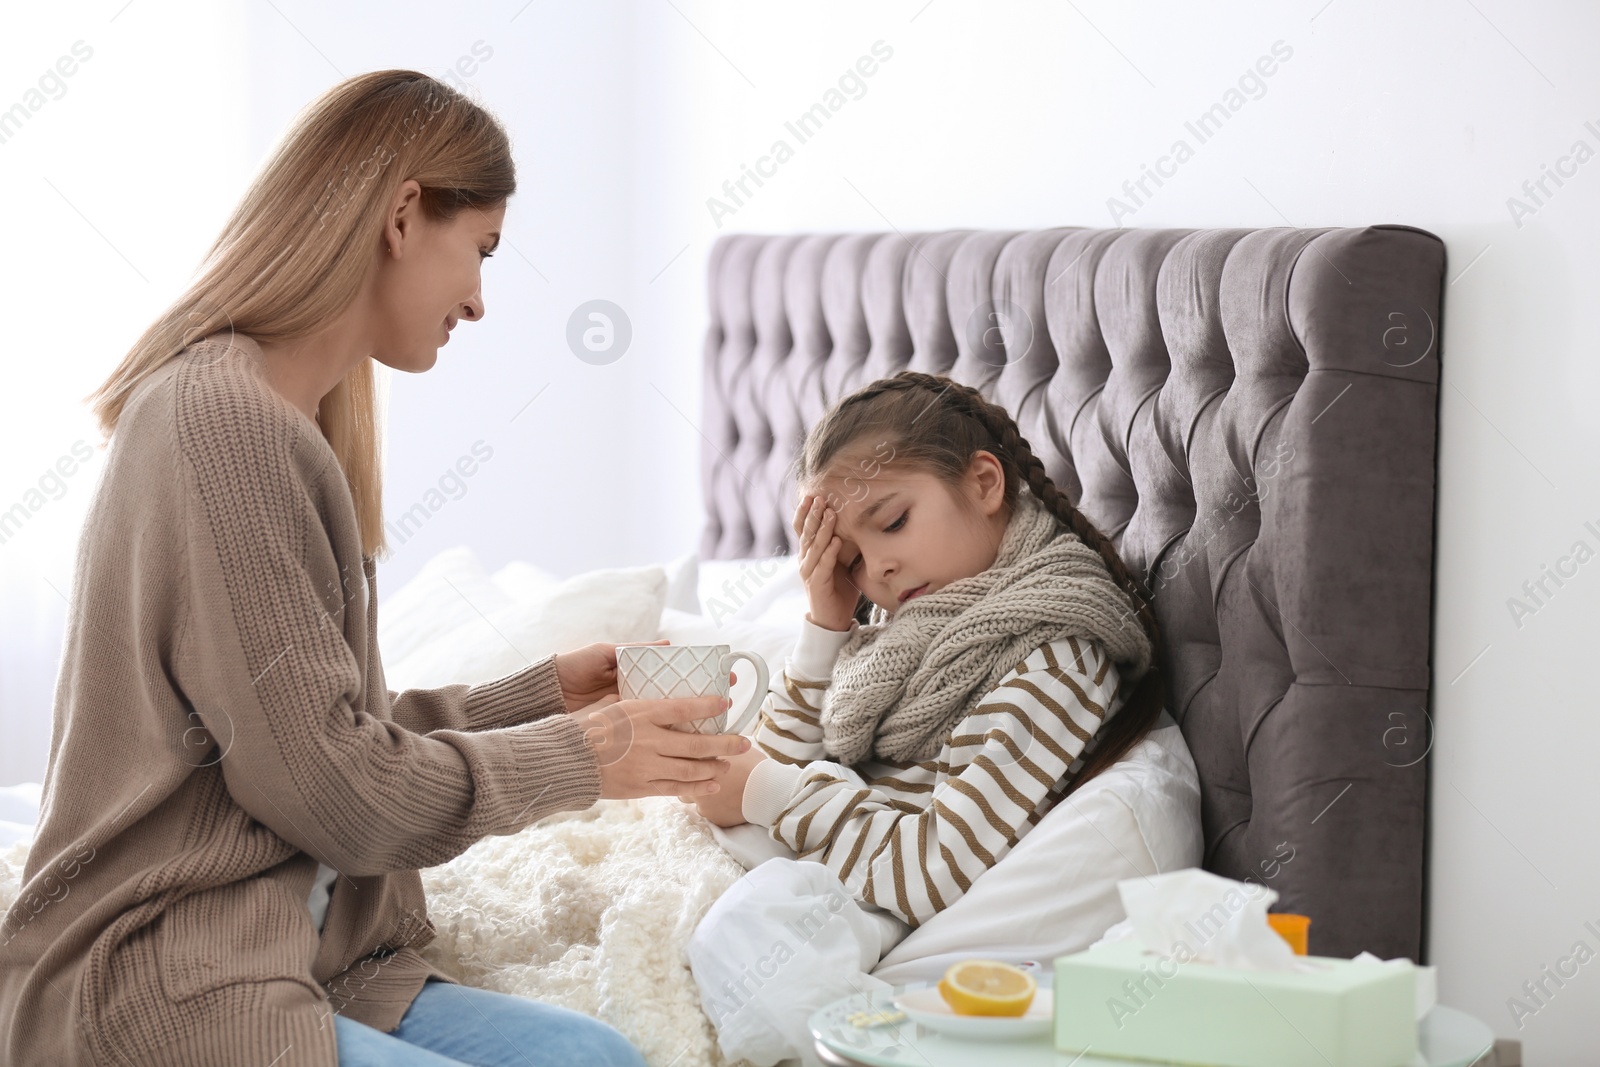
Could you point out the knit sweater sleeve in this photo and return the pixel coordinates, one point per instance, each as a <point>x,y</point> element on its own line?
<point>1030,732</point>
<point>273,679</point>
<point>522,696</point>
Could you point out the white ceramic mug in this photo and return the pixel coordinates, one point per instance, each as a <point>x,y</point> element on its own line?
<point>651,672</point>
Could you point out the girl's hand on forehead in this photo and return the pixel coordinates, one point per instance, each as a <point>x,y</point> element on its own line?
<point>832,594</point>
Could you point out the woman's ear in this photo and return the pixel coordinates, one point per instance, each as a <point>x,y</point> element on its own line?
<point>404,210</point>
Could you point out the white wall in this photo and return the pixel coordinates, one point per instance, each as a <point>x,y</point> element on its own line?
<point>113,186</point>
<point>1022,115</point>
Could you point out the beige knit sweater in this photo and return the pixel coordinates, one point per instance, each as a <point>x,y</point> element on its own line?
<point>221,724</point>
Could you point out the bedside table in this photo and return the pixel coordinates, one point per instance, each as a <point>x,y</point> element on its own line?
<point>1445,1038</point>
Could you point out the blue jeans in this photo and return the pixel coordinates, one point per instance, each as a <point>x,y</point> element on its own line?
<point>454,1025</point>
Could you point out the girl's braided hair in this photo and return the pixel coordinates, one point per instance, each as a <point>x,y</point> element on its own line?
<point>932,423</point>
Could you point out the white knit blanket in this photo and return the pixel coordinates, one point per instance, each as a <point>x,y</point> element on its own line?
<point>590,910</point>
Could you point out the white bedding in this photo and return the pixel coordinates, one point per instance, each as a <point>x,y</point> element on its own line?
<point>594,910</point>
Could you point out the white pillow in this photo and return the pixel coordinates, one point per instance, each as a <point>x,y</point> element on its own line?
<point>501,635</point>
<point>772,643</point>
<point>1055,892</point>
<point>765,589</point>
<point>448,592</point>
<point>683,576</point>
<point>521,581</point>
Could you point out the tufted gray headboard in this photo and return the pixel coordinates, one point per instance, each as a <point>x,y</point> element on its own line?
<point>1250,414</point>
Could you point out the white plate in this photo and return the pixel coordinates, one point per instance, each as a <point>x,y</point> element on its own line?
<point>927,1007</point>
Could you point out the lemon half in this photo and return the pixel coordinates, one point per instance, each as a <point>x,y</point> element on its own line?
<point>987,987</point>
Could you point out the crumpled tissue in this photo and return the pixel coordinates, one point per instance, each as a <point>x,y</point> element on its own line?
<point>1193,914</point>
<point>785,940</point>
<point>1222,921</point>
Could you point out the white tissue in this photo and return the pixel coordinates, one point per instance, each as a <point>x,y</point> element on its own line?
<point>783,941</point>
<point>1427,980</point>
<point>1193,914</point>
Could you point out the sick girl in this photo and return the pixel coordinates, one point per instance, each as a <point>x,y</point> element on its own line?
<point>975,650</point>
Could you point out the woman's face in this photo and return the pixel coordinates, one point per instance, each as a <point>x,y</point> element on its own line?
<point>906,533</point>
<point>428,278</point>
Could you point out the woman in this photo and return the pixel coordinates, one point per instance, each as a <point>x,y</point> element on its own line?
<point>236,806</point>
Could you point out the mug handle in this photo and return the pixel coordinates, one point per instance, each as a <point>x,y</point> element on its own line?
<point>755,698</point>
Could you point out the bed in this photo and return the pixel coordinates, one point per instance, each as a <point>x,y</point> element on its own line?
<point>1249,414</point>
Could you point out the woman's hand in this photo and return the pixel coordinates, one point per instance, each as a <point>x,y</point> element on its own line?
<point>640,755</point>
<point>589,673</point>
<point>832,594</point>
<point>725,807</point>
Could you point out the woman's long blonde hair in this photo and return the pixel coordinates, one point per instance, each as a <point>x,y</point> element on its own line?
<point>297,249</point>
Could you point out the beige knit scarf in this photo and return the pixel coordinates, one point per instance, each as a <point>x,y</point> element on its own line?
<point>899,686</point>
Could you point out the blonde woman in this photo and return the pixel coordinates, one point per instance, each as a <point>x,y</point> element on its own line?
<point>236,806</point>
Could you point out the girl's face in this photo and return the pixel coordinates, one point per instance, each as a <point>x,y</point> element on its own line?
<point>906,533</point>
<point>428,278</point>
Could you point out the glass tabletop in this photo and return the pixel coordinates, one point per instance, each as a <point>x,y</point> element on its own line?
<point>1445,1038</point>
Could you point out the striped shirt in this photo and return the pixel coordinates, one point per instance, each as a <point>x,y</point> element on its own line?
<point>910,837</point>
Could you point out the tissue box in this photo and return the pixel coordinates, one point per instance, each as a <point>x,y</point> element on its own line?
<point>1117,1000</point>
